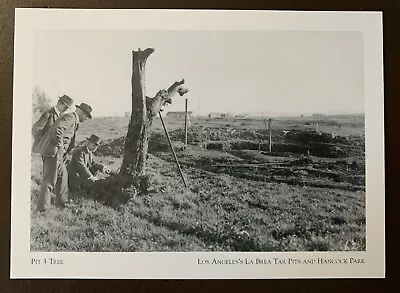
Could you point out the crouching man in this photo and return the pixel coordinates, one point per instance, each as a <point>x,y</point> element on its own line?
<point>82,169</point>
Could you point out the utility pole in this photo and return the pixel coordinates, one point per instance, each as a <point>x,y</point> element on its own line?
<point>269,134</point>
<point>186,120</point>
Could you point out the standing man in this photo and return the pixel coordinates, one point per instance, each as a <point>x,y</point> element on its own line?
<point>82,169</point>
<point>49,117</point>
<point>53,147</point>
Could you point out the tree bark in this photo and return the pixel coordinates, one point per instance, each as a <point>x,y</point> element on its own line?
<point>135,149</point>
<point>163,97</point>
<point>143,111</point>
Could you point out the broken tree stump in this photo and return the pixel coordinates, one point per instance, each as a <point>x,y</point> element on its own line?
<point>143,111</point>
<point>131,178</point>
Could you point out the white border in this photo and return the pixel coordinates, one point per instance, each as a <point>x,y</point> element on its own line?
<point>184,265</point>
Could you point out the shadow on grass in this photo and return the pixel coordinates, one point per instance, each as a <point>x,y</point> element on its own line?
<point>113,191</point>
<point>209,234</point>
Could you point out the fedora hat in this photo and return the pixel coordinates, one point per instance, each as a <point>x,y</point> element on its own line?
<point>66,100</point>
<point>85,108</point>
<point>95,139</point>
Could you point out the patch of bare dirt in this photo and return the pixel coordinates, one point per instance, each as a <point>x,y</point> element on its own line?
<point>306,158</point>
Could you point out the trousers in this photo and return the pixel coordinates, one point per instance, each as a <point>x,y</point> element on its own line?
<point>75,181</point>
<point>55,181</point>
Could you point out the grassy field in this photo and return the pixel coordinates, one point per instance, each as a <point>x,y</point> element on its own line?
<point>240,198</point>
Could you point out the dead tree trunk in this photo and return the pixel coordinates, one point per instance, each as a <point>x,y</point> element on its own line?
<point>135,150</point>
<point>143,111</point>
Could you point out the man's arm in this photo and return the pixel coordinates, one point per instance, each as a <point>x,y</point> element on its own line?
<point>98,167</point>
<point>64,122</point>
<point>40,124</point>
<point>71,145</point>
<point>79,161</point>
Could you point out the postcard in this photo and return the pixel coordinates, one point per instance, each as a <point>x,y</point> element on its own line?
<point>196,144</point>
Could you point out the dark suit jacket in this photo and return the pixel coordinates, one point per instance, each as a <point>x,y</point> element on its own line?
<point>60,138</point>
<point>42,125</point>
<point>81,167</point>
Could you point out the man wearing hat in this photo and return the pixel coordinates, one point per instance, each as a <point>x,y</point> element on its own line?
<point>82,169</point>
<point>49,117</point>
<point>53,147</point>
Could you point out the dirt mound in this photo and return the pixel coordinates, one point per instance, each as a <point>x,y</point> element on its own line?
<point>307,136</point>
<point>115,148</point>
<point>158,142</point>
<point>118,189</point>
<point>199,134</point>
<point>195,135</point>
<point>325,150</point>
<point>113,190</point>
<point>311,137</point>
<point>223,139</point>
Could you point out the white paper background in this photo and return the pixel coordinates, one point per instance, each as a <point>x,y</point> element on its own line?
<point>184,265</point>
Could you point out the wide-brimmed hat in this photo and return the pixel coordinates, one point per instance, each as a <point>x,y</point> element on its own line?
<point>66,100</point>
<point>86,108</point>
<point>95,139</point>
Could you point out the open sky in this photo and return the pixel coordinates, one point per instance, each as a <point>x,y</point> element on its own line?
<point>270,72</point>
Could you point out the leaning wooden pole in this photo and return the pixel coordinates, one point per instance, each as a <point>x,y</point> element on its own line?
<point>173,151</point>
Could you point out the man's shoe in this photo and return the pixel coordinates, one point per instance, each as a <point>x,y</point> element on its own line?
<point>64,204</point>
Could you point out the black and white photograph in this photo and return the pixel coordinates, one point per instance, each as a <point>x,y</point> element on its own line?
<point>203,140</point>
<point>263,147</point>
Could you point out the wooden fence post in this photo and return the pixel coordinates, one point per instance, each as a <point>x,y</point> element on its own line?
<point>186,121</point>
<point>269,134</point>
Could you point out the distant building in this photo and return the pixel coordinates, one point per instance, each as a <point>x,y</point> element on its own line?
<point>219,115</point>
<point>318,115</point>
<point>178,114</point>
<point>241,116</point>
<point>127,114</point>
<point>215,115</point>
